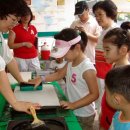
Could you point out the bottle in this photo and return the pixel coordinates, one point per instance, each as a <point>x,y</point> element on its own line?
<point>33,74</point>
<point>45,51</point>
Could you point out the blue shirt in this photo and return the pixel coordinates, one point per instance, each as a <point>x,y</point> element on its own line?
<point>117,124</point>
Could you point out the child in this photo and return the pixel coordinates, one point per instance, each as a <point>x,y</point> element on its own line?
<point>117,85</point>
<point>81,84</point>
<point>116,44</point>
<point>57,64</point>
<point>22,39</point>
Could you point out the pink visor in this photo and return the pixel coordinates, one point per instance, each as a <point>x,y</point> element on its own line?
<point>62,47</point>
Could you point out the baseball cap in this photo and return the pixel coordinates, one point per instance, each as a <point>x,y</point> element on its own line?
<point>62,47</point>
<point>80,6</point>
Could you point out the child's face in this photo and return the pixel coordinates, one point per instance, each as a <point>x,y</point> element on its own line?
<point>110,98</point>
<point>84,16</point>
<point>111,52</point>
<point>71,55</point>
<point>26,19</point>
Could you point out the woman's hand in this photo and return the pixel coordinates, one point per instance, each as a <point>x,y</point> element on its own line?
<point>25,106</point>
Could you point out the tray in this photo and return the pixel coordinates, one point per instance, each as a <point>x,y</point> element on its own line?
<point>52,124</point>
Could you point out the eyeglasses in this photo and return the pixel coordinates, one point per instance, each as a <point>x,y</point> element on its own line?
<point>13,18</point>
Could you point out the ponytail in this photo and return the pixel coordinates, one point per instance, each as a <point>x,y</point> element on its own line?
<point>84,40</point>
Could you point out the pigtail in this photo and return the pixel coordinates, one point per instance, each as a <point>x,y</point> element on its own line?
<point>125,25</point>
<point>126,31</point>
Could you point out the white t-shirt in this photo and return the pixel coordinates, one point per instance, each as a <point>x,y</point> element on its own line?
<point>77,87</point>
<point>99,46</point>
<point>5,52</point>
<point>92,27</point>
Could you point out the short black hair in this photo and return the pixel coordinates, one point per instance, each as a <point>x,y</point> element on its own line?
<point>109,7</point>
<point>14,7</point>
<point>118,81</point>
<point>80,7</point>
<point>118,37</point>
<point>68,34</point>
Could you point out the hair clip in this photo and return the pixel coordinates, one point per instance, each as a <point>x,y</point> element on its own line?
<point>125,35</point>
<point>55,49</point>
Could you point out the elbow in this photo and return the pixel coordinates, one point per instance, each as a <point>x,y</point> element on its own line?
<point>10,46</point>
<point>95,96</point>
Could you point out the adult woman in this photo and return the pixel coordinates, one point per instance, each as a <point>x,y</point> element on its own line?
<point>22,40</point>
<point>8,18</point>
<point>106,14</point>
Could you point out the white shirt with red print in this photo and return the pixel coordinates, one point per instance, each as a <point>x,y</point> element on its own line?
<point>77,87</point>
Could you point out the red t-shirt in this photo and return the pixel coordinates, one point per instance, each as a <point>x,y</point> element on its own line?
<point>102,66</point>
<point>107,113</point>
<point>23,35</point>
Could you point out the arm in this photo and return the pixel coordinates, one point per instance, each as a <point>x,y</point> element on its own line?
<point>11,38</point>
<point>91,81</point>
<point>12,45</point>
<point>96,35</point>
<point>5,89</point>
<point>60,74</point>
<point>91,37</point>
<point>13,69</point>
<point>90,78</point>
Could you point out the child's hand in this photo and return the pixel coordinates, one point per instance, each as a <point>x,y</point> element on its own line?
<point>25,106</point>
<point>28,44</point>
<point>67,105</point>
<point>35,81</point>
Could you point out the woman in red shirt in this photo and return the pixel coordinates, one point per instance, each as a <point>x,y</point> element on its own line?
<point>22,39</point>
